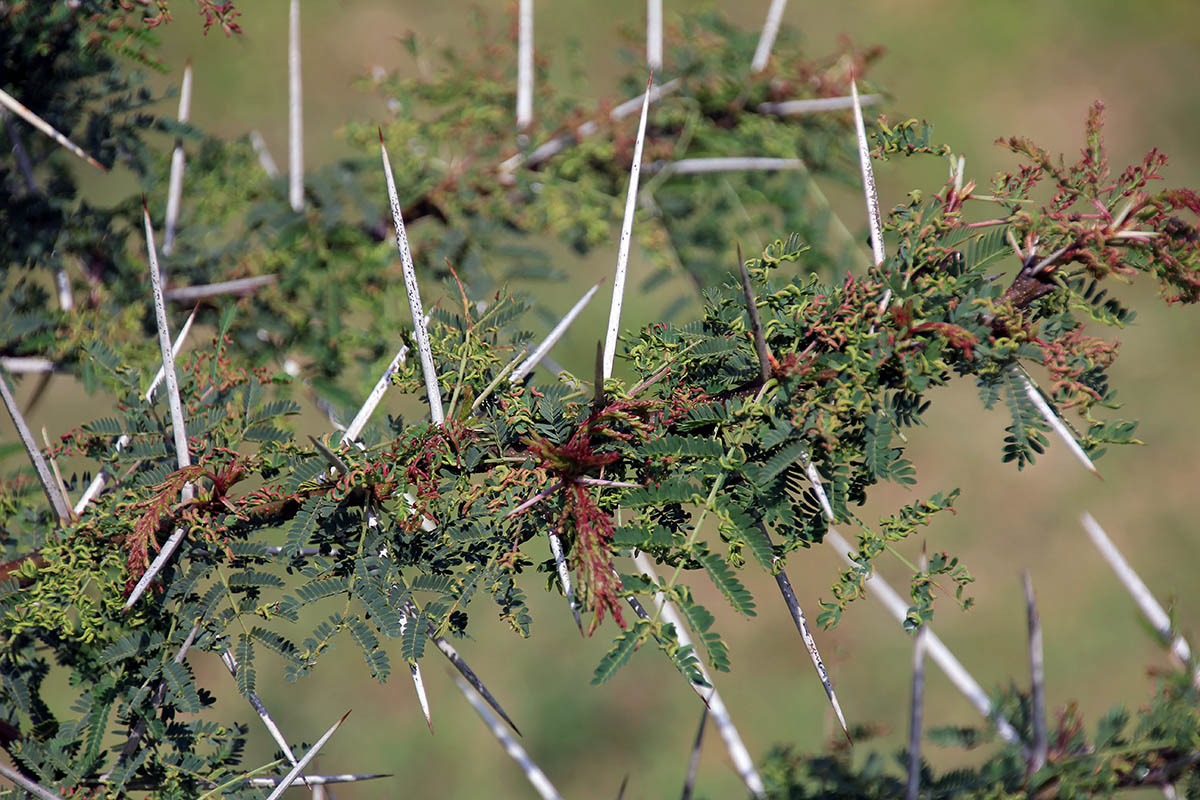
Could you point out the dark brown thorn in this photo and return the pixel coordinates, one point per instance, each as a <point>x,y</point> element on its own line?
<point>760,339</point>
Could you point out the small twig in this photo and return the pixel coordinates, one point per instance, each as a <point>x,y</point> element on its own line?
<point>33,119</point>
<point>491,387</point>
<point>57,501</point>
<point>414,295</point>
<point>1037,677</point>
<point>533,773</point>
<point>614,316</point>
<point>295,114</point>
<point>58,479</point>
<point>290,778</point>
<point>533,500</point>
<point>689,780</point>
<point>766,40</point>
<point>18,147</point>
<point>175,186</point>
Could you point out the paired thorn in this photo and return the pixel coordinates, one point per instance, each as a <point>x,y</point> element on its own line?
<point>291,777</point>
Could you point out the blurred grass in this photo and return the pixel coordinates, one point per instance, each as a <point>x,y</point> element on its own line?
<point>979,71</point>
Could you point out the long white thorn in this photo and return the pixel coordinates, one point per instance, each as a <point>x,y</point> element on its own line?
<point>564,575</point>
<point>14,105</point>
<point>465,670</point>
<point>230,662</point>
<point>183,458</point>
<point>614,315</point>
<point>1138,590</point>
<point>98,482</point>
<point>295,112</point>
<point>1037,678</point>
<point>742,762</point>
<point>414,668</point>
<point>238,286</point>
<point>868,178</point>
<point>701,166</point>
<point>179,429</point>
<point>320,780</point>
<point>654,34</point>
<point>533,773</point>
<point>814,477</point>
<point>916,712</point>
<point>291,777</point>
<point>938,651</point>
<point>524,64</point>
<point>815,105</point>
<point>552,338</point>
<point>766,39</point>
<point>355,428</point>
<point>35,789</point>
<point>797,614</point>
<point>1053,420</point>
<point>175,187</point>
<point>264,154</point>
<point>414,295</point>
<point>62,508</point>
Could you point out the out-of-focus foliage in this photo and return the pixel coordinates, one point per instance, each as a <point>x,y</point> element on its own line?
<point>288,546</point>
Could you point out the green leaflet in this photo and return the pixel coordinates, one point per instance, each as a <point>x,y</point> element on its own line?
<point>376,656</point>
<point>723,577</point>
<point>307,522</point>
<point>684,446</point>
<point>621,651</point>
<point>182,687</point>
<point>701,621</point>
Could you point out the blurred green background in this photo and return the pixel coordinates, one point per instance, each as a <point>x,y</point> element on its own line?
<point>978,71</point>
